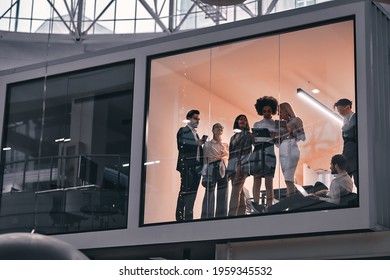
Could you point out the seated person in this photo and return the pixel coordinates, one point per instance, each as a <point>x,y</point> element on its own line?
<point>342,183</point>
<point>340,187</point>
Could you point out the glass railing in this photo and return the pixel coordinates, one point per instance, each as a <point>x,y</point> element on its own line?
<point>55,195</point>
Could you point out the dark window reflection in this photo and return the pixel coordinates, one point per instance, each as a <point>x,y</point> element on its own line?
<point>66,149</point>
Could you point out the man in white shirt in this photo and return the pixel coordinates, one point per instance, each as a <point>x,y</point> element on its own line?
<point>342,183</point>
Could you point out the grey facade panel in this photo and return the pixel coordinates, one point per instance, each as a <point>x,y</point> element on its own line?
<point>380,74</point>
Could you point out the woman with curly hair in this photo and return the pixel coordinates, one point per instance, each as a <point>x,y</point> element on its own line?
<point>263,159</point>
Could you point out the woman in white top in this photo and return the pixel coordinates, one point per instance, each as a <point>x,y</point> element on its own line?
<point>289,153</point>
<point>216,155</point>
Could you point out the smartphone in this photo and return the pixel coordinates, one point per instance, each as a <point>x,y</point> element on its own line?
<point>204,137</point>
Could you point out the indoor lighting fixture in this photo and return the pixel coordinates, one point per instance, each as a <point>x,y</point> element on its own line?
<point>322,107</point>
<point>151,162</point>
<point>62,140</point>
<point>6,148</point>
<point>315,91</point>
<point>222,2</point>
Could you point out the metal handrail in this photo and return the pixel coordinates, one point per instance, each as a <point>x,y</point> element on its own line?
<point>60,167</point>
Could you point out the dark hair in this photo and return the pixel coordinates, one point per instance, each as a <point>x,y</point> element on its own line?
<point>343,102</point>
<point>216,124</point>
<point>191,113</point>
<point>236,126</point>
<point>266,101</point>
<point>340,160</point>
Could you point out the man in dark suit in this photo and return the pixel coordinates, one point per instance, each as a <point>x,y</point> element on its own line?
<point>189,164</point>
<point>350,148</point>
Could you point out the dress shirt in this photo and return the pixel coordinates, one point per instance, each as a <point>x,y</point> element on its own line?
<point>342,184</point>
<point>347,121</point>
<point>196,137</point>
<point>216,150</point>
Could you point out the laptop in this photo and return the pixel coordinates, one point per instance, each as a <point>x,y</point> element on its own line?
<point>303,191</point>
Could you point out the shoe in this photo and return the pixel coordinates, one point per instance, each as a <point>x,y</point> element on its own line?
<point>259,207</point>
<point>179,216</point>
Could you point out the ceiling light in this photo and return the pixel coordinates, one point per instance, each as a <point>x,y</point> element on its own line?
<point>6,148</point>
<point>317,104</point>
<point>315,91</point>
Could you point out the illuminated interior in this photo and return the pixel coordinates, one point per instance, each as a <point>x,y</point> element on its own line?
<point>226,80</point>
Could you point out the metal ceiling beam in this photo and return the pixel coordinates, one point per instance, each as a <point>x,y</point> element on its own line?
<point>271,6</point>
<point>247,10</point>
<point>154,16</point>
<point>55,10</point>
<point>98,17</point>
<point>80,15</point>
<point>71,15</point>
<point>9,9</point>
<point>185,17</point>
<point>171,15</point>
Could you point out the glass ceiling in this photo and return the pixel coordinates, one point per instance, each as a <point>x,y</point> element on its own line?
<point>81,17</point>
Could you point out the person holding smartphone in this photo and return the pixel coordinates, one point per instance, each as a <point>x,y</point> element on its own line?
<point>189,164</point>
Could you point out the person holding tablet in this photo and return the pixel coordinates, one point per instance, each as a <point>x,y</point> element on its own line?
<point>263,160</point>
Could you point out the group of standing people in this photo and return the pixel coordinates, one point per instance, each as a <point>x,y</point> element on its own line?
<point>248,153</point>
<point>216,162</point>
<point>261,162</point>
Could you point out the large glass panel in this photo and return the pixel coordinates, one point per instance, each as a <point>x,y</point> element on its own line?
<point>66,149</point>
<point>287,92</point>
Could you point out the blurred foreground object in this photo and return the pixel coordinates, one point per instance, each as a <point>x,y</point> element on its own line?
<point>32,246</point>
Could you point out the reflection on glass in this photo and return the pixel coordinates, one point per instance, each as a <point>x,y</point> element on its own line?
<point>225,81</point>
<point>68,147</point>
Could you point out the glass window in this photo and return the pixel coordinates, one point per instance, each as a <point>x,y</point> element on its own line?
<point>302,3</point>
<point>266,109</point>
<point>66,149</point>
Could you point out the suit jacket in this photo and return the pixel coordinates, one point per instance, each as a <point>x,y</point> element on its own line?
<point>187,147</point>
<point>350,149</point>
